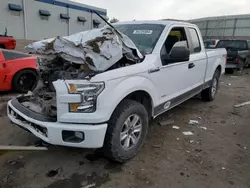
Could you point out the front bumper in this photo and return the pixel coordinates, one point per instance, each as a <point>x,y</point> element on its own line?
<point>52,132</point>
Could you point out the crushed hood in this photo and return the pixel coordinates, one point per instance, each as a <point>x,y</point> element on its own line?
<point>98,48</point>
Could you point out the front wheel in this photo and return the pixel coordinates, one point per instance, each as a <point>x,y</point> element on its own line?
<point>209,93</point>
<point>127,130</point>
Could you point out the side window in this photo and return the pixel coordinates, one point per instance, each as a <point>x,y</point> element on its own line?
<point>196,45</point>
<point>174,36</point>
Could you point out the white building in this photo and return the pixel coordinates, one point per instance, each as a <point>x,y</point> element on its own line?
<point>224,27</point>
<point>39,19</point>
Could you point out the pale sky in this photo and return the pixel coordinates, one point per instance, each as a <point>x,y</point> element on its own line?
<point>126,10</point>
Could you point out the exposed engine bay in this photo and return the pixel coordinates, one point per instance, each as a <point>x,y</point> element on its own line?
<point>76,57</point>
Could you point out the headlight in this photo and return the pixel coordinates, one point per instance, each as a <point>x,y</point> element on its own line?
<point>89,94</point>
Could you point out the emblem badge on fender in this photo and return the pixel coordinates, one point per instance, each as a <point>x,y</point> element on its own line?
<point>167,105</point>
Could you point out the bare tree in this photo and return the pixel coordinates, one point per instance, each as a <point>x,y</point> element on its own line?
<point>114,20</point>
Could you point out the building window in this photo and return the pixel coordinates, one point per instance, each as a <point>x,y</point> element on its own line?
<point>15,7</point>
<point>96,23</point>
<point>81,19</point>
<point>64,16</point>
<point>44,14</point>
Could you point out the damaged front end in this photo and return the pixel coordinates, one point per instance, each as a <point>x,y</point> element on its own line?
<point>77,57</point>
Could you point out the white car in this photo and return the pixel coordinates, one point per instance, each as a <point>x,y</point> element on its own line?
<point>111,110</point>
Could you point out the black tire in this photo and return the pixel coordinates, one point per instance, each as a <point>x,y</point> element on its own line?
<point>112,145</point>
<point>25,80</point>
<point>2,46</point>
<point>207,94</point>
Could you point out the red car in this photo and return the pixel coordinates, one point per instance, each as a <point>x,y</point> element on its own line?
<point>18,71</point>
<point>7,42</point>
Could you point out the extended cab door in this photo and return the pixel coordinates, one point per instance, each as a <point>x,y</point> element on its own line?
<point>174,80</point>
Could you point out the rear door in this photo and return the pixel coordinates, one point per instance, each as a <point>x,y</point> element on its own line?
<point>198,59</point>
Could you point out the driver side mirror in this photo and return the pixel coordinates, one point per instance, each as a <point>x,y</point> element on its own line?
<point>179,53</point>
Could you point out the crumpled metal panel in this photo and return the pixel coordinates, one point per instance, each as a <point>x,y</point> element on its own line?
<point>98,48</point>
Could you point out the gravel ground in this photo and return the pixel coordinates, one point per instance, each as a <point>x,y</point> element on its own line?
<point>217,157</point>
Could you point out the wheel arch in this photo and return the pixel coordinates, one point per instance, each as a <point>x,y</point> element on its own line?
<point>144,98</point>
<point>219,68</point>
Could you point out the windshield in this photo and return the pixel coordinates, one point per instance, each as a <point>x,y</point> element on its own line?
<point>234,44</point>
<point>145,36</point>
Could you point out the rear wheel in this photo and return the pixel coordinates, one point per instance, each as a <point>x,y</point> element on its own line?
<point>209,93</point>
<point>126,131</point>
<point>25,80</point>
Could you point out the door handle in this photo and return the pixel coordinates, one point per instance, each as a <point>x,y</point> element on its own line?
<point>191,65</point>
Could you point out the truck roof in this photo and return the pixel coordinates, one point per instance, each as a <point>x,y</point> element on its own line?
<point>162,22</point>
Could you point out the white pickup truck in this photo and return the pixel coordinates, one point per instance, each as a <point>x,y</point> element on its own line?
<point>111,110</point>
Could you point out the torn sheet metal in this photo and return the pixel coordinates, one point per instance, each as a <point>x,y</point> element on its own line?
<point>98,48</point>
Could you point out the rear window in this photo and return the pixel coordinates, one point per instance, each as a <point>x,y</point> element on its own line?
<point>195,40</point>
<point>233,44</point>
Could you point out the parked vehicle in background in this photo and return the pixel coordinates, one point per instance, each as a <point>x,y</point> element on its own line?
<point>18,71</point>
<point>210,43</point>
<point>112,108</point>
<point>7,42</point>
<point>238,53</point>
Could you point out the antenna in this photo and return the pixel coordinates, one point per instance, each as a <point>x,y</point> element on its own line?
<point>6,31</point>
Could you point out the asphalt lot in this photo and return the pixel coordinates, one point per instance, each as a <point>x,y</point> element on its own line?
<point>217,157</point>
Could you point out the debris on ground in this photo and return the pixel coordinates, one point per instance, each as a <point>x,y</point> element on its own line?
<point>177,138</point>
<point>199,118</point>
<point>223,168</point>
<point>245,148</point>
<point>89,186</point>
<point>176,127</point>
<point>204,128</point>
<point>188,133</point>
<point>193,122</point>
<point>182,173</point>
<point>166,122</point>
<point>191,141</point>
<point>229,84</point>
<point>198,150</point>
<point>242,104</point>
<point>157,146</point>
<point>8,149</point>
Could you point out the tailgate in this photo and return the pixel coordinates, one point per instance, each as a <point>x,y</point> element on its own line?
<point>231,56</point>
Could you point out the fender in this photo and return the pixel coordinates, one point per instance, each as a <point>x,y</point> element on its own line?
<point>126,87</point>
<point>13,66</point>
